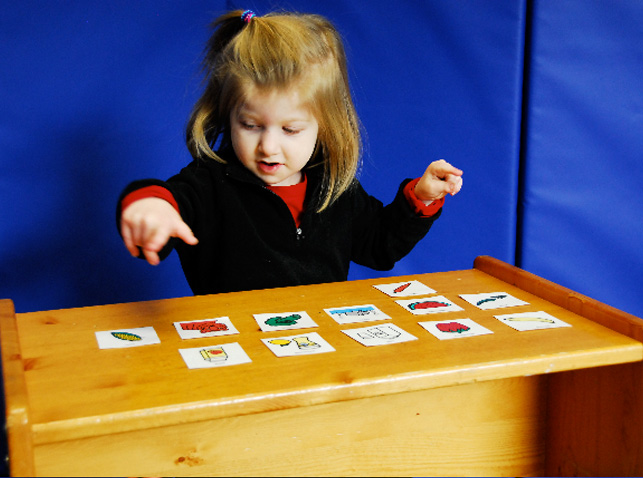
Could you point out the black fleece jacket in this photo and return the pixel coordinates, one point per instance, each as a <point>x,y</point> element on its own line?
<point>248,238</point>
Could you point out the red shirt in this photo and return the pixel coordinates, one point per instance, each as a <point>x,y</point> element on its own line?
<point>293,196</point>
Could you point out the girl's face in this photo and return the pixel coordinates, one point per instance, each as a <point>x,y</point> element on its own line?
<point>274,136</point>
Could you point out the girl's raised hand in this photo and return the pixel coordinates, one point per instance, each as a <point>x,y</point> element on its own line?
<point>149,223</point>
<point>439,179</point>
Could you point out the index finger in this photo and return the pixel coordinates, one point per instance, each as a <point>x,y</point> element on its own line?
<point>442,168</point>
<point>183,232</point>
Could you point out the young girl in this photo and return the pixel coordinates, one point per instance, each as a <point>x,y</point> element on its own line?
<point>271,198</point>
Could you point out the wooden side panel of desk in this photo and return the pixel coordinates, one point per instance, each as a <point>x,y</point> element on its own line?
<point>594,422</point>
<point>20,440</point>
<point>492,428</point>
<point>595,415</point>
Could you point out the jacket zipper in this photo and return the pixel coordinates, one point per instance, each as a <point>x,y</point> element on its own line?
<point>299,233</point>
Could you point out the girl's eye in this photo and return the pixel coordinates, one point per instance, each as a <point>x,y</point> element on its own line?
<point>291,130</point>
<point>247,125</point>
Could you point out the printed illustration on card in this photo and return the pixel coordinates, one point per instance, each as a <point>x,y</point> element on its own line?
<point>197,329</point>
<point>455,329</point>
<point>356,313</point>
<point>124,338</point>
<point>284,321</point>
<point>214,356</point>
<point>301,344</point>
<point>531,321</point>
<point>493,300</point>
<point>384,334</point>
<point>429,305</point>
<point>405,289</point>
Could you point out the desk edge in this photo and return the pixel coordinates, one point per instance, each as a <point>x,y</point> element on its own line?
<point>603,314</point>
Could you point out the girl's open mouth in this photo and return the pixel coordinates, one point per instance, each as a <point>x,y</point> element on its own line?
<point>268,167</point>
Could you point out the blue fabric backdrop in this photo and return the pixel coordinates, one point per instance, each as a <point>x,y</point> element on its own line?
<point>95,94</point>
<point>583,161</point>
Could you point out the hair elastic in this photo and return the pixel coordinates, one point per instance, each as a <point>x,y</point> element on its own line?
<point>247,16</point>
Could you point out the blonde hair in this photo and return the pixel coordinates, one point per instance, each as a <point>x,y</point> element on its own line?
<point>280,51</point>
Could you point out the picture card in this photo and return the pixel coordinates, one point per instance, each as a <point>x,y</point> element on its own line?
<point>284,321</point>
<point>384,334</point>
<point>405,289</point>
<point>455,329</point>
<point>214,356</point>
<point>198,329</point>
<point>356,313</point>
<point>493,300</point>
<point>531,321</point>
<point>122,338</point>
<point>303,344</point>
<point>429,305</point>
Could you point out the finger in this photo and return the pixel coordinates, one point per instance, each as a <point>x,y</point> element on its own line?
<point>450,168</point>
<point>184,233</point>
<point>454,184</point>
<point>151,257</point>
<point>139,233</point>
<point>441,169</point>
<point>126,234</point>
<point>156,240</point>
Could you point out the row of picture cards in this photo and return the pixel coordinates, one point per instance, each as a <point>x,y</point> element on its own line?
<point>312,342</point>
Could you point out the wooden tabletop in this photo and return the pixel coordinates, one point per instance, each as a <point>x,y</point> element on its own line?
<point>75,389</point>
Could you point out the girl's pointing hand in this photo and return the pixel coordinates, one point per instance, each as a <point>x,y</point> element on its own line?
<point>439,179</point>
<point>147,225</point>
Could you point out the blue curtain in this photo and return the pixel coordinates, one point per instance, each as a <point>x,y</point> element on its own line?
<point>96,94</point>
<point>582,200</point>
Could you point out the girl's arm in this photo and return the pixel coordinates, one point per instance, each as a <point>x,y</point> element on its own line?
<point>382,235</point>
<point>148,226</point>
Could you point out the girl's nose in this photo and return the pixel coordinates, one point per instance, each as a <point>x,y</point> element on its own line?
<point>268,143</point>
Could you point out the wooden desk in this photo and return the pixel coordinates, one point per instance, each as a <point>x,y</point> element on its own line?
<point>565,401</point>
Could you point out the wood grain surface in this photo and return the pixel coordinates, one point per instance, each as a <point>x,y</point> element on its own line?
<point>66,397</point>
